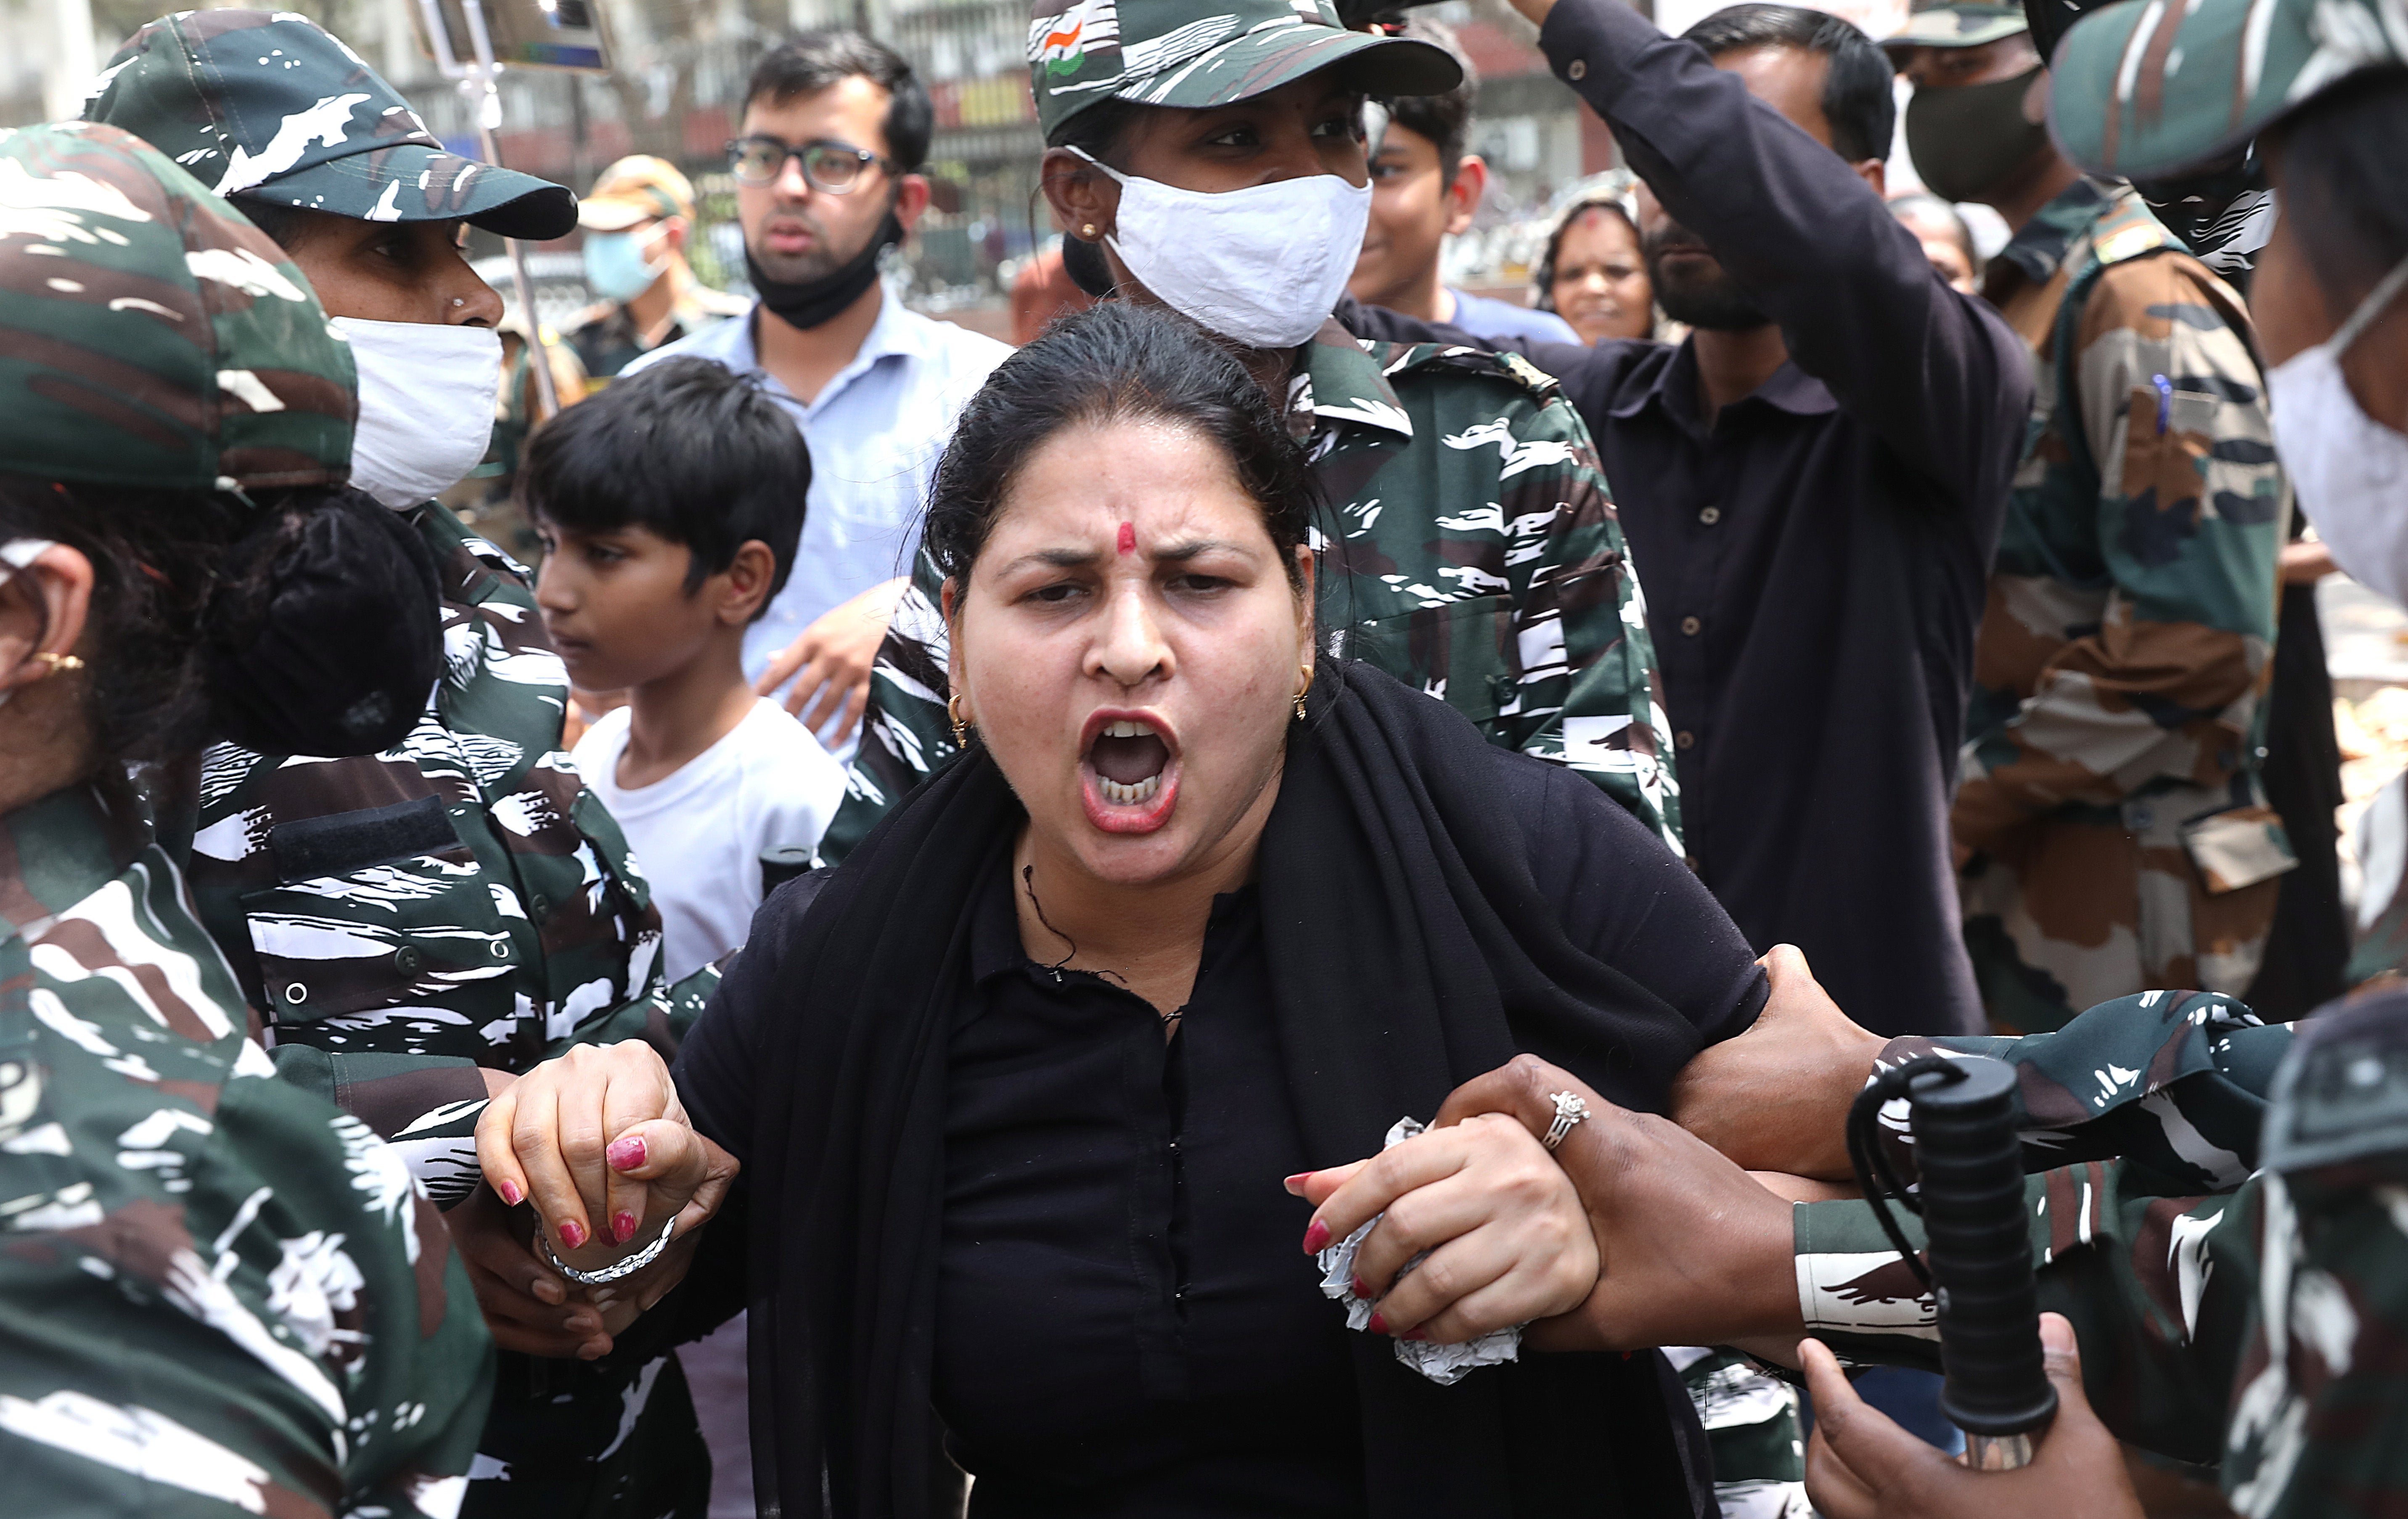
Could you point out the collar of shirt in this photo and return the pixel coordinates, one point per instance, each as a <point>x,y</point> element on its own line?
<point>1788,389</point>
<point>1343,383</point>
<point>2036,251</point>
<point>898,334</point>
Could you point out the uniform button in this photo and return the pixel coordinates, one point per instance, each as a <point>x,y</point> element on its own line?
<point>1579,69</point>
<point>408,960</point>
<point>1501,688</point>
<point>296,993</point>
<point>1690,625</point>
<point>499,949</point>
<point>1711,515</point>
<point>1685,739</point>
<point>542,904</point>
<point>2142,817</point>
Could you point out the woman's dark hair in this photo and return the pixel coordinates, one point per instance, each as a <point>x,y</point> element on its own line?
<point>687,447</point>
<point>1542,277</point>
<point>1118,362</point>
<point>191,591</point>
<point>1857,91</point>
<point>2344,175</point>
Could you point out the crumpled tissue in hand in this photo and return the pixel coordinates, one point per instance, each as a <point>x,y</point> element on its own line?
<point>1443,1364</point>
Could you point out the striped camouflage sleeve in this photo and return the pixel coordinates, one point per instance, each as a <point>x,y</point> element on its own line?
<point>2177,1081</point>
<point>1590,696</point>
<point>905,736</point>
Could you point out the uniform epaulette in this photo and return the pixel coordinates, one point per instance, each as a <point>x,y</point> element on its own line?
<point>2130,232</point>
<point>1479,361</point>
<point>2342,1093</point>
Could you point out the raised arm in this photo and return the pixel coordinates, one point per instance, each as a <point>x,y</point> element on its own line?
<point>1936,374</point>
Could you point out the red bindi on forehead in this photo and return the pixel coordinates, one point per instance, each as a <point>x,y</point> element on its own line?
<point>1129,538</point>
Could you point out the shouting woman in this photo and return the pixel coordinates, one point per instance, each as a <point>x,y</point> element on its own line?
<point>1016,1086</point>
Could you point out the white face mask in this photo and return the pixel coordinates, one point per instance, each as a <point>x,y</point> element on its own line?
<point>427,405</point>
<point>16,555</point>
<point>1262,266</point>
<point>2349,470</point>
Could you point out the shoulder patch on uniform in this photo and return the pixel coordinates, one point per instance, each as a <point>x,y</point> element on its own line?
<point>1479,361</point>
<point>2134,237</point>
<point>2342,1093</point>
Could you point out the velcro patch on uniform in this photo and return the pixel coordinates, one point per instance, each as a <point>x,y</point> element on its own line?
<point>341,843</point>
<point>2342,1093</point>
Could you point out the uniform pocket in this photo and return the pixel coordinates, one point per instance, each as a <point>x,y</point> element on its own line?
<point>1463,651</point>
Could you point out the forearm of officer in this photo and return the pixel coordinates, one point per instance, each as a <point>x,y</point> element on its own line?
<point>1934,373</point>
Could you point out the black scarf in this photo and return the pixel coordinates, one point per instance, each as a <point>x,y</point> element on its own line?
<point>1410,950</point>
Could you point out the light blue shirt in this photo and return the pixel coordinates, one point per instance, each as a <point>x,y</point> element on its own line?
<point>875,433</point>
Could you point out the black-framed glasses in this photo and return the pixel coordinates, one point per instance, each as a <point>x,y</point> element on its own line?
<point>835,167</point>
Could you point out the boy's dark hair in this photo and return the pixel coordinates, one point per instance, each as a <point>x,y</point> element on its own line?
<point>686,448</point>
<point>813,61</point>
<point>1443,120</point>
<point>1857,98</point>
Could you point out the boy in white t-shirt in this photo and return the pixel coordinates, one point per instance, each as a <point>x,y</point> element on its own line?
<point>668,507</point>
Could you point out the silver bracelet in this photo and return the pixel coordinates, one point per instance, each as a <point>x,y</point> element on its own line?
<point>613,1272</point>
<point>1570,1112</point>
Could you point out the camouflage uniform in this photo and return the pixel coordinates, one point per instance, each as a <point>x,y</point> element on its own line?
<point>2110,795</point>
<point>1476,555</point>
<point>461,901</point>
<point>216,1293</point>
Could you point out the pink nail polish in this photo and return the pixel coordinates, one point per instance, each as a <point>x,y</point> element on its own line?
<point>1417,1336</point>
<point>510,1193</point>
<point>573,1234</point>
<point>627,1154</point>
<point>1290,1183</point>
<point>1316,1238</point>
<point>1379,1324</point>
<point>1361,1290</point>
<point>622,1227</point>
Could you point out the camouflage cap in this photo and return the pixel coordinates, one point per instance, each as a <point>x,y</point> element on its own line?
<point>1954,26</point>
<point>149,336</point>
<point>269,105</point>
<point>637,188</point>
<point>2146,89</point>
<point>1195,53</point>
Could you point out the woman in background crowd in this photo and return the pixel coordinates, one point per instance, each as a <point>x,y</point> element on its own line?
<point>1592,274</point>
<point>218,1293</point>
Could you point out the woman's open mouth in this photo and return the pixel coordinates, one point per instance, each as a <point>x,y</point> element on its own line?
<point>1131,774</point>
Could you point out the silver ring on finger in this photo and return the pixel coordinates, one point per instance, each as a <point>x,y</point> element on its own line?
<point>1571,1110</point>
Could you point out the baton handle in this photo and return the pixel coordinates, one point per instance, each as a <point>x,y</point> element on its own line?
<point>1972,1189</point>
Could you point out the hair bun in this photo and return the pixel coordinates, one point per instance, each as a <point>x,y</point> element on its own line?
<point>325,635</point>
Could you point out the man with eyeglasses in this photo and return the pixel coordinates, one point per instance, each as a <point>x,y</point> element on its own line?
<point>832,133</point>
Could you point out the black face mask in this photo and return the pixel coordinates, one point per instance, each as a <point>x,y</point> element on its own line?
<point>1966,141</point>
<point>324,635</point>
<point>811,303</point>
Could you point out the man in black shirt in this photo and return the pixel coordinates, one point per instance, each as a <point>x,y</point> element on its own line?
<point>1811,484</point>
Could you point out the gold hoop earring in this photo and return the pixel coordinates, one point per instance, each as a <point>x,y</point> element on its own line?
<point>1306,669</point>
<point>953,714</point>
<point>59,663</point>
